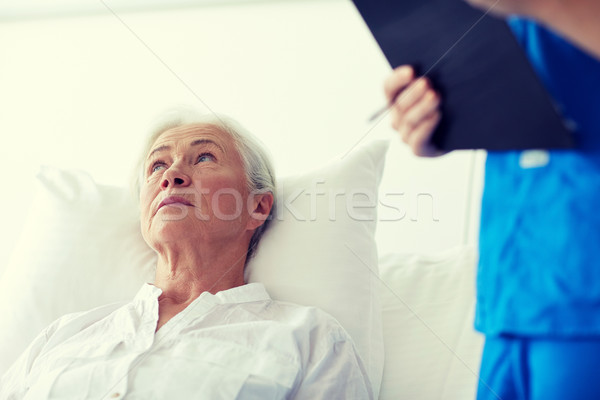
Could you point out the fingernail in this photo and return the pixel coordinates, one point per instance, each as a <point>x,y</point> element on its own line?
<point>407,71</point>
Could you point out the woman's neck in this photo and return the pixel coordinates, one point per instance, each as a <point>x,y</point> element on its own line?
<point>184,272</point>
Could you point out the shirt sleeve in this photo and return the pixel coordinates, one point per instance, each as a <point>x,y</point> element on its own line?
<point>13,385</point>
<point>15,382</point>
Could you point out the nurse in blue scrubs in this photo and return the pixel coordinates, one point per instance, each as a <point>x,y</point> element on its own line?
<point>538,281</point>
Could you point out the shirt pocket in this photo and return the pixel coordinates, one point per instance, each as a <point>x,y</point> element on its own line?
<point>213,369</point>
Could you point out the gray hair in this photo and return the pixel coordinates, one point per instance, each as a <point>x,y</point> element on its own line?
<point>255,158</point>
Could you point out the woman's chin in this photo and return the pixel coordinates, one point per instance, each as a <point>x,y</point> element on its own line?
<point>169,230</point>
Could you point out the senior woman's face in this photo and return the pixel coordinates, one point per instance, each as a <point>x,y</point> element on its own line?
<point>194,187</point>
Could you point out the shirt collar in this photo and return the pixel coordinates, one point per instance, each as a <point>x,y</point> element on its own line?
<point>241,294</point>
<point>147,292</point>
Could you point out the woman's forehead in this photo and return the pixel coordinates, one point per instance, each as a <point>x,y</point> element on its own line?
<point>192,132</point>
<point>188,135</point>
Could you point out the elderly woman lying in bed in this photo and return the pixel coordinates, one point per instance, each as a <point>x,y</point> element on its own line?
<point>206,194</point>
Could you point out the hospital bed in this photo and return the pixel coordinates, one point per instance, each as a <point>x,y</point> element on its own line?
<point>409,314</point>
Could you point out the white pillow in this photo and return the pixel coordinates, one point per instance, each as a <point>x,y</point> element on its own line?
<point>82,247</point>
<point>432,351</point>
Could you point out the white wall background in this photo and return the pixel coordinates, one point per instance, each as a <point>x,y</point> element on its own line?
<point>77,92</point>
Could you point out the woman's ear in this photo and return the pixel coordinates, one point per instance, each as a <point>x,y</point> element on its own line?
<point>259,207</point>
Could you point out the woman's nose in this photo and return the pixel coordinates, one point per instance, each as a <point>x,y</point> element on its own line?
<point>175,177</point>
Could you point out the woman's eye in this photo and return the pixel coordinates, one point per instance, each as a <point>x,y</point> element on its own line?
<point>205,157</point>
<point>156,166</point>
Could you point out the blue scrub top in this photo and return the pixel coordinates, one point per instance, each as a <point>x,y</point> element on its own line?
<point>539,274</point>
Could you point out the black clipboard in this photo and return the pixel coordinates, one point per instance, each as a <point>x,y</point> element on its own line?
<point>491,97</point>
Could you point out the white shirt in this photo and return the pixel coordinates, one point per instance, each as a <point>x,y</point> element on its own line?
<point>237,344</point>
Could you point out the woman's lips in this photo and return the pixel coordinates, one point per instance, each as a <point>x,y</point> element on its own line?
<point>174,200</point>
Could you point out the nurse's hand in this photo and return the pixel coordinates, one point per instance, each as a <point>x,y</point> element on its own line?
<point>414,110</point>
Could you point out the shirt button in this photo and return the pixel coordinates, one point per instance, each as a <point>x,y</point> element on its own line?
<point>115,395</point>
